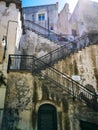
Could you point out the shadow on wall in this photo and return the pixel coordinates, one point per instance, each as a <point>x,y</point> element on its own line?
<point>88,126</point>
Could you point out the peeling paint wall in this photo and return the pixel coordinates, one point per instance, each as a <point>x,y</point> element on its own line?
<point>83,64</point>
<point>84,18</point>
<point>10,26</point>
<point>10,33</point>
<point>50,13</point>
<point>34,44</point>
<point>62,22</point>
<point>27,93</point>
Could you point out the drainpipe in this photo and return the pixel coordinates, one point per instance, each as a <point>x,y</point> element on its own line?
<point>48,19</point>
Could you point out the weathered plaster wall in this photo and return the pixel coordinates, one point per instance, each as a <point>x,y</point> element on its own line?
<point>27,93</point>
<point>50,11</point>
<point>10,26</point>
<point>62,22</point>
<point>84,18</point>
<point>34,44</point>
<point>79,112</point>
<point>84,63</point>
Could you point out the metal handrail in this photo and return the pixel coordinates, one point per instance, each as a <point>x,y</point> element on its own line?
<point>74,88</point>
<point>62,52</point>
<point>46,29</point>
<point>30,25</point>
<point>36,65</point>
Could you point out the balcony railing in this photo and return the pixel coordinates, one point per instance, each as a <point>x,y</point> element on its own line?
<point>20,63</point>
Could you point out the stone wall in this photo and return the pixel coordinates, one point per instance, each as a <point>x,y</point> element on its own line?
<point>34,44</point>
<point>27,93</point>
<point>84,63</point>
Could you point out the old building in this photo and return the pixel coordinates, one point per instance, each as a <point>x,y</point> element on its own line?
<point>62,22</point>
<point>84,18</point>
<point>51,84</point>
<point>45,15</point>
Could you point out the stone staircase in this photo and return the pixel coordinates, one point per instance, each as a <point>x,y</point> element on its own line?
<point>28,62</point>
<point>44,32</point>
<point>62,83</point>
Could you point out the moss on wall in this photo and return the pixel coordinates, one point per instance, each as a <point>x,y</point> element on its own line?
<point>96,75</point>
<point>60,119</point>
<point>71,67</point>
<point>66,122</point>
<point>76,72</point>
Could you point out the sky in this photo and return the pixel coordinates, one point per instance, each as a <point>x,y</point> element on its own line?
<point>71,3</point>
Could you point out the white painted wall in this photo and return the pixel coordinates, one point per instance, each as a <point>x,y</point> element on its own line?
<point>10,26</point>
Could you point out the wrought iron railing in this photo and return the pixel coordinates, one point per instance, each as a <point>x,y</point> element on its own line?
<point>35,65</point>
<point>27,62</point>
<point>20,63</point>
<point>68,85</point>
<point>63,86</point>
<point>63,51</point>
<point>80,42</point>
<point>56,38</point>
<point>74,88</point>
<point>67,49</point>
<point>41,30</point>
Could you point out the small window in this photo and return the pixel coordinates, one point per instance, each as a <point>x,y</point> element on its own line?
<point>51,28</point>
<point>41,17</point>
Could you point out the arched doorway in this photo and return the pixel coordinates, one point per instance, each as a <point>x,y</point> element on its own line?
<point>47,117</point>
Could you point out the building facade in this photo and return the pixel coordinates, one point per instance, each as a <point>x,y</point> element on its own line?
<point>41,93</point>
<point>62,22</point>
<point>84,18</point>
<point>45,15</point>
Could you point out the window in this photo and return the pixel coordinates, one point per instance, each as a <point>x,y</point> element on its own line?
<point>41,17</point>
<point>51,28</point>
